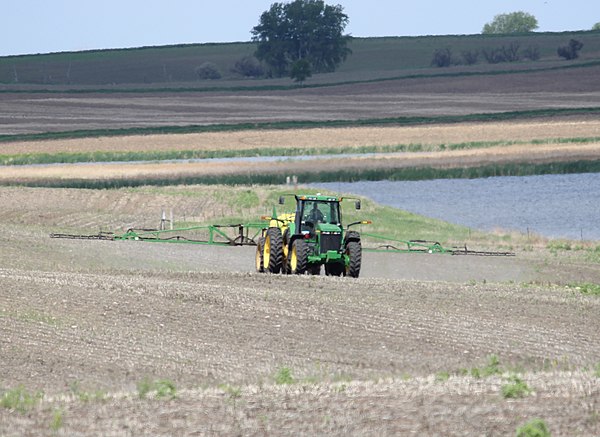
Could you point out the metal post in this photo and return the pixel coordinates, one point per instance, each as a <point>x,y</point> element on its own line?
<point>163,219</point>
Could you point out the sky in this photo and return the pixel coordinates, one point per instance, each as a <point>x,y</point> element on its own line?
<point>43,26</point>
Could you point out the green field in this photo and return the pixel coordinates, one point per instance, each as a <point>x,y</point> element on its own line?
<point>372,58</point>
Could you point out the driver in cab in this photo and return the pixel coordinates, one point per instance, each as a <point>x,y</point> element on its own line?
<point>315,215</point>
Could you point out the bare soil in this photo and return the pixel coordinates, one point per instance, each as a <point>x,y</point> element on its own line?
<point>389,353</point>
<point>573,88</point>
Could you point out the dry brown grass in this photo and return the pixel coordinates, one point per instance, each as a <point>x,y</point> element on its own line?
<point>527,153</point>
<point>322,137</point>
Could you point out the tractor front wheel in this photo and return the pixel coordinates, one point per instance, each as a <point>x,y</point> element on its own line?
<point>298,257</point>
<point>273,250</point>
<point>354,252</point>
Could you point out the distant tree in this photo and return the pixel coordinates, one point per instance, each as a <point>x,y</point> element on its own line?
<point>208,70</point>
<point>514,22</point>
<point>302,29</point>
<point>596,26</point>
<point>301,70</point>
<point>442,58</point>
<point>571,50</point>
<point>248,66</point>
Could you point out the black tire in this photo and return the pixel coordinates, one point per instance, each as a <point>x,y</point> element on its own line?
<point>260,267</point>
<point>273,250</point>
<point>334,269</point>
<point>298,257</point>
<point>314,269</point>
<point>354,252</point>
<point>285,268</point>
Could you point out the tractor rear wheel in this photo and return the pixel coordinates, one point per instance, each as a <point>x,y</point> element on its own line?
<point>260,267</point>
<point>354,252</point>
<point>298,257</point>
<point>273,251</point>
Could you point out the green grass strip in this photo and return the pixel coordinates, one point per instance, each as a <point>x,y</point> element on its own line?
<point>283,125</point>
<point>402,174</point>
<point>149,155</point>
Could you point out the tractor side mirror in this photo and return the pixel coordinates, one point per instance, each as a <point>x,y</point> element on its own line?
<point>357,204</point>
<point>281,200</point>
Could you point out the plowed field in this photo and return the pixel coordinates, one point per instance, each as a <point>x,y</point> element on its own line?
<point>427,96</point>
<point>405,349</point>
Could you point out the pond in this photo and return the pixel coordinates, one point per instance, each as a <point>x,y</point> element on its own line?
<point>556,206</point>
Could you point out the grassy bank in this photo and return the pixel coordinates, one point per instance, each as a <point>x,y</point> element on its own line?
<point>245,204</point>
<point>352,175</point>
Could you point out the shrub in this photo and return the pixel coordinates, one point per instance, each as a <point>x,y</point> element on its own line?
<point>442,58</point>
<point>494,56</point>
<point>531,53</point>
<point>511,52</point>
<point>301,70</point>
<point>248,66</point>
<point>571,50</point>
<point>533,428</point>
<point>209,71</point>
<point>470,57</point>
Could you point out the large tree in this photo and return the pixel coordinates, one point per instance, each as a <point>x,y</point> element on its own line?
<point>302,30</point>
<point>514,22</point>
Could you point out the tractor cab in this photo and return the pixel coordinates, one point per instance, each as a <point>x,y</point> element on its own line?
<point>317,215</point>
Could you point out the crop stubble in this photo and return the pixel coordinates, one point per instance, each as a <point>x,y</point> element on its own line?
<point>321,137</point>
<point>110,330</point>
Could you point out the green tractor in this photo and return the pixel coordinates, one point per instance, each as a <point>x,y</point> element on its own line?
<point>313,236</point>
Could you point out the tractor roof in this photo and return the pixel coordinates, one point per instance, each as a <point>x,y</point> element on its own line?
<point>319,197</point>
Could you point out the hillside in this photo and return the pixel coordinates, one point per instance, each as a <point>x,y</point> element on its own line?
<point>372,58</point>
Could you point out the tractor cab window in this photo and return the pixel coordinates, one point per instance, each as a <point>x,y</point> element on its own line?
<point>316,211</point>
<point>313,211</point>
